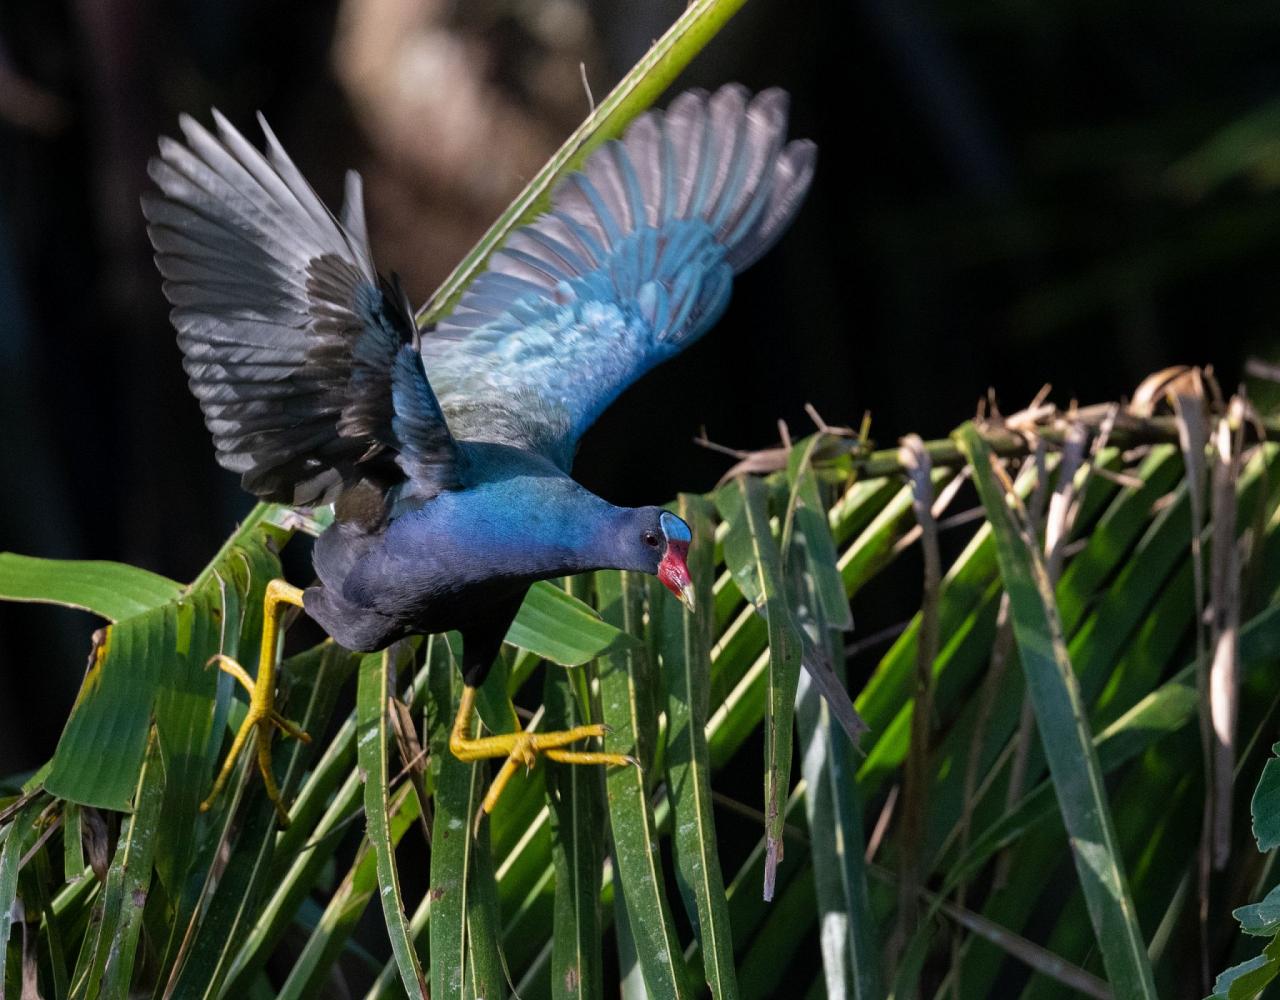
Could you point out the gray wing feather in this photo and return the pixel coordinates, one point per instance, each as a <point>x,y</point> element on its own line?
<point>289,337</point>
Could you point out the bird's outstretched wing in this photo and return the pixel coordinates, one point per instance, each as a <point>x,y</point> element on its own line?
<point>301,356</point>
<point>632,263</point>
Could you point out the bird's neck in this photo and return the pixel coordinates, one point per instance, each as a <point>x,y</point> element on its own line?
<point>587,540</point>
<point>535,528</point>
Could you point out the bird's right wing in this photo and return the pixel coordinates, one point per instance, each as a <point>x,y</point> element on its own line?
<point>631,265</point>
<point>301,356</point>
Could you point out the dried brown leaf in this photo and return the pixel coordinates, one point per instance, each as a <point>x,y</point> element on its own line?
<point>1163,386</point>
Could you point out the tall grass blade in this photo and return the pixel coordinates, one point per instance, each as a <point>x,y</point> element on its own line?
<point>17,837</point>
<point>752,555</point>
<point>833,808</point>
<point>916,780</point>
<point>686,663</point>
<point>846,923</point>
<point>458,795</point>
<point>463,928</point>
<point>372,707</point>
<point>637,864</point>
<point>1224,597</point>
<point>812,527</point>
<point>630,975</point>
<point>577,818</point>
<point>1061,716</point>
<point>129,878</point>
<point>486,974</point>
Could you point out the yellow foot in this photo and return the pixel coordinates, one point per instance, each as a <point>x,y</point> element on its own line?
<point>522,749</point>
<point>262,718</point>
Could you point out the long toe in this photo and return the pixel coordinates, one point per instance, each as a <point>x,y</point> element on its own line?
<point>289,728</point>
<point>268,779</point>
<point>524,748</point>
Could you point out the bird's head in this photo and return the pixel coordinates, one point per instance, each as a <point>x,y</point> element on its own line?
<point>657,542</point>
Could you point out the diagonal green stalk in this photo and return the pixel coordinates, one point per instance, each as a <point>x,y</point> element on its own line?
<point>347,903</point>
<point>230,898</point>
<point>647,79</point>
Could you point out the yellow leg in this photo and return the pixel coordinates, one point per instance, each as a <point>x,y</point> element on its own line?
<point>521,748</point>
<point>262,718</point>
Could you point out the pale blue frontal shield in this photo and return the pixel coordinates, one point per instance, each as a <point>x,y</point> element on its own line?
<point>674,528</point>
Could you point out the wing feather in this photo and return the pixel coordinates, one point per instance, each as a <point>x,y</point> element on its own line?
<point>289,336</point>
<point>633,262</point>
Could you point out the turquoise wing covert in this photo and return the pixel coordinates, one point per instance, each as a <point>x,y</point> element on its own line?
<point>633,262</point>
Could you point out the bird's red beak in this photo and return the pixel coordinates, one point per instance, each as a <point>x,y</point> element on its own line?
<point>673,571</point>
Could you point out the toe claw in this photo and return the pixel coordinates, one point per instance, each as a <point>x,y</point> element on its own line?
<point>230,666</point>
<point>282,814</point>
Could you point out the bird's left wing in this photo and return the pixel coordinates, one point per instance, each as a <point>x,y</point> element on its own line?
<point>301,356</point>
<point>633,263</point>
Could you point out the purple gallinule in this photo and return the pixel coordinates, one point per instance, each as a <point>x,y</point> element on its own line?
<point>447,452</point>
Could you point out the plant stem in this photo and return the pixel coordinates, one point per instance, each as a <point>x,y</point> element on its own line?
<point>642,85</point>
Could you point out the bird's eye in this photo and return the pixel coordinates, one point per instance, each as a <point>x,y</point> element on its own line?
<point>650,539</point>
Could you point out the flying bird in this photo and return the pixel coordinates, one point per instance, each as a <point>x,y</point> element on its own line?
<point>447,453</point>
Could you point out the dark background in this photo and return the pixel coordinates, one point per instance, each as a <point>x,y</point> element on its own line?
<point>1007,195</point>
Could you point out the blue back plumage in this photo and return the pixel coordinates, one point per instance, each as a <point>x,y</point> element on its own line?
<point>632,264</point>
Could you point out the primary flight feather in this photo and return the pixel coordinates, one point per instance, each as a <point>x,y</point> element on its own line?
<point>448,452</point>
